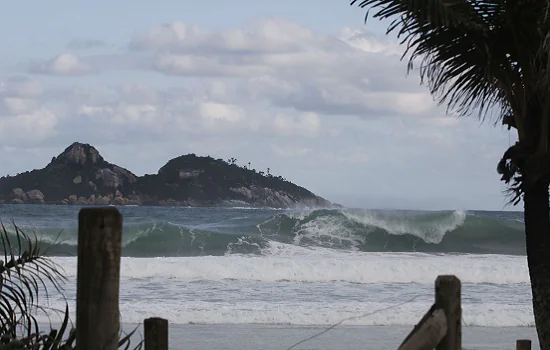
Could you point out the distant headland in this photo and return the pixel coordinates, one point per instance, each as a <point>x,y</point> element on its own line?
<point>81,176</point>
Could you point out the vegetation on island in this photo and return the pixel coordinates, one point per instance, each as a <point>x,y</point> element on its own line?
<point>80,175</point>
<point>492,58</point>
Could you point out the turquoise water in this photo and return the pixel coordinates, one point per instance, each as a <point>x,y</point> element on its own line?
<point>276,276</point>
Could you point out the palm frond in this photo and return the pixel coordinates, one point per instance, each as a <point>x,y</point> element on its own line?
<point>25,273</point>
<point>485,57</point>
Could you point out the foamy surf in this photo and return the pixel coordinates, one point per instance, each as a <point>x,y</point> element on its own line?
<point>325,267</point>
<point>308,267</point>
<point>313,314</point>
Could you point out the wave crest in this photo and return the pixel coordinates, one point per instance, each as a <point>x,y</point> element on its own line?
<point>342,230</point>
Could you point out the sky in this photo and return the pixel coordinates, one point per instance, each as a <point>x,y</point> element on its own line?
<point>304,88</point>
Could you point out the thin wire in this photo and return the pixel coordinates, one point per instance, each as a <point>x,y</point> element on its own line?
<point>351,318</point>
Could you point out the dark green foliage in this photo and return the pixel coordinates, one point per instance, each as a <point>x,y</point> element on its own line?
<point>208,179</point>
<point>56,180</point>
<point>200,180</point>
<point>25,272</point>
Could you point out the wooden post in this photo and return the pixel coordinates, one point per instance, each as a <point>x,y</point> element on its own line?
<point>428,333</point>
<point>155,330</point>
<point>447,297</point>
<point>98,275</point>
<point>523,344</point>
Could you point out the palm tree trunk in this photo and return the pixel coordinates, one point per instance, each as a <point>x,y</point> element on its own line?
<point>537,232</point>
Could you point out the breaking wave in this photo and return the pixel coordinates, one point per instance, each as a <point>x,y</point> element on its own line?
<point>249,233</point>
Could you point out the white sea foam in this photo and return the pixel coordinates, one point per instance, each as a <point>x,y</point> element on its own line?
<point>331,230</point>
<point>181,311</point>
<point>432,231</point>
<point>301,286</point>
<point>487,315</point>
<point>299,264</point>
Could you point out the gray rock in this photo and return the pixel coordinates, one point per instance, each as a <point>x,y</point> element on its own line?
<point>124,175</point>
<point>77,180</point>
<point>108,178</point>
<point>35,197</point>
<point>18,193</point>
<point>77,154</point>
<point>73,199</point>
<point>265,197</point>
<point>119,201</point>
<point>100,200</point>
<point>189,174</point>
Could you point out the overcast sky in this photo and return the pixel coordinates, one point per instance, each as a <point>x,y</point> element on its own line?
<point>302,87</point>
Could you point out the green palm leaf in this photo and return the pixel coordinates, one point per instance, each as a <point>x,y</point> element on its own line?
<point>25,272</point>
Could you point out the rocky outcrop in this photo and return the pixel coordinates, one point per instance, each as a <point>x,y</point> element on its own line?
<point>19,196</point>
<point>81,176</point>
<point>35,197</point>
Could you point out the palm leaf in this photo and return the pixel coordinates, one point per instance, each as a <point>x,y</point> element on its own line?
<point>488,57</point>
<point>25,272</point>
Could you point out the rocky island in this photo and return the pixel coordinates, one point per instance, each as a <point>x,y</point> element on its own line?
<point>81,176</point>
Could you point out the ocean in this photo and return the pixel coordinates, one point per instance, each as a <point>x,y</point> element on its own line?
<point>265,279</point>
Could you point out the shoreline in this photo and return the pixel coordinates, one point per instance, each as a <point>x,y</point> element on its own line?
<point>343,337</point>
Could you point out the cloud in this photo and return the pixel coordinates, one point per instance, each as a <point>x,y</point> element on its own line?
<point>334,113</point>
<point>274,61</point>
<point>304,124</point>
<point>21,86</point>
<point>85,43</point>
<point>271,35</point>
<point>27,128</point>
<point>20,95</point>
<point>63,64</point>
<point>23,118</point>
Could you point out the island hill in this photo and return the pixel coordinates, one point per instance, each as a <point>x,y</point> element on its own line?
<point>81,176</point>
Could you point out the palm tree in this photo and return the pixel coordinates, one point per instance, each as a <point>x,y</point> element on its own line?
<point>25,273</point>
<point>492,58</point>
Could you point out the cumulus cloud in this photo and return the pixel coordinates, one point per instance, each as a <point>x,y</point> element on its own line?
<point>264,36</point>
<point>303,124</point>
<point>289,66</point>
<point>275,61</point>
<point>21,86</point>
<point>63,64</point>
<point>23,119</point>
<point>328,111</point>
<point>20,95</point>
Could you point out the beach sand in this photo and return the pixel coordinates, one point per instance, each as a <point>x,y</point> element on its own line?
<point>274,337</point>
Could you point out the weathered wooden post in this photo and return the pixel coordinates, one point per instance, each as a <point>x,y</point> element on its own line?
<point>155,330</point>
<point>447,297</point>
<point>428,333</point>
<point>523,344</point>
<point>98,277</point>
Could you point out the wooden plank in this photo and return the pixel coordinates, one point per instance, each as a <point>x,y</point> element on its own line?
<point>420,323</point>
<point>447,297</point>
<point>156,333</point>
<point>98,275</point>
<point>428,333</point>
<point>523,344</point>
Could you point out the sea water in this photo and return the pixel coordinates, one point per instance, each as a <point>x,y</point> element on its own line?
<point>266,279</point>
